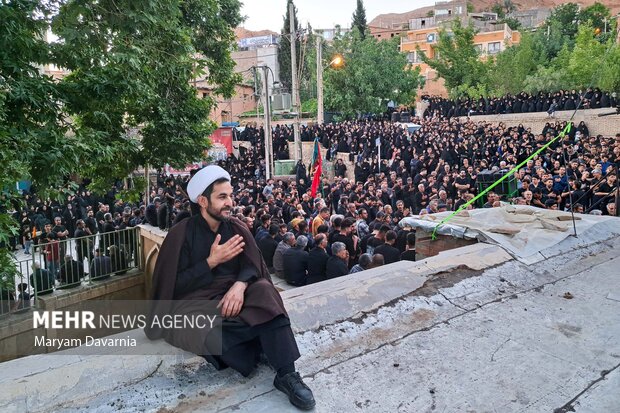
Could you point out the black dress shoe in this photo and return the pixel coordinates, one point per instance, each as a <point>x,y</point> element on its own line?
<point>294,387</point>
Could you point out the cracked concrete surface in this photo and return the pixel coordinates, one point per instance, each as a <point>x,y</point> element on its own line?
<point>495,335</point>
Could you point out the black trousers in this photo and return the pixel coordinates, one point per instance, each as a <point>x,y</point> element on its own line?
<point>242,346</point>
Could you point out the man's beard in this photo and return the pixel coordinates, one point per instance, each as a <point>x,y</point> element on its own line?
<point>217,215</point>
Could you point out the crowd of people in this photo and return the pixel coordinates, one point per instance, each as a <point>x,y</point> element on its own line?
<point>353,222</point>
<point>522,103</point>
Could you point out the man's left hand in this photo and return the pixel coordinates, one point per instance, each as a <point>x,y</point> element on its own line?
<point>232,302</point>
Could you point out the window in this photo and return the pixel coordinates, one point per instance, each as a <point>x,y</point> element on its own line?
<point>494,47</point>
<point>411,57</point>
<point>478,48</point>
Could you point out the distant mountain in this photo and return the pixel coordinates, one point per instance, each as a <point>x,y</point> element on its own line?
<point>386,20</point>
<point>243,33</point>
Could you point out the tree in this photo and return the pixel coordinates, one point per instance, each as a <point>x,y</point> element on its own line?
<point>587,58</point>
<point>520,60</point>
<point>567,17</point>
<point>284,48</point>
<point>132,69</point>
<point>499,10</point>
<point>128,100</point>
<point>456,58</point>
<point>359,19</point>
<point>35,138</point>
<point>374,73</point>
<point>597,15</point>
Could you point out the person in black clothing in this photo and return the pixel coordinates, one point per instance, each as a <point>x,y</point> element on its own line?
<point>409,254</point>
<point>71,272</point>
<point>337,263</point>
<point>267,246</point>
<point>317,260</point>
<point>83,244</point>
<point>349,239</point>
<point>390,253</point>
<point>295,261</point>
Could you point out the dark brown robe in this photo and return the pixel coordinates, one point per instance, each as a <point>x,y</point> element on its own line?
<point>262,302</point>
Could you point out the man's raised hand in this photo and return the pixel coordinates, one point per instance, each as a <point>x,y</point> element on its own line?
<point>220,253</point>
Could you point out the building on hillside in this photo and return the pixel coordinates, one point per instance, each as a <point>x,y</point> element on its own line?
<point>423,33</point>
<point>228,110</point>
<point>393,30</point>
<point>257,51</point>
<point>531,19</point>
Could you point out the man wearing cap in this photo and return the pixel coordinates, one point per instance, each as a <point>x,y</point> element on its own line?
<point>213,256</point>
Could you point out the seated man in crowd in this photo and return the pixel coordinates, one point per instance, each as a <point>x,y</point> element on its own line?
<point>390,253</point>
<point>100,266</point>
<point>71,271</point>
<point>317,260</point>
<point>295,262</point>
<point>267,246</point>
<point>41,279</point>
<point>337,264</point>
<point>288,241</point>
<point>409,254</point>
<point>363,264</point>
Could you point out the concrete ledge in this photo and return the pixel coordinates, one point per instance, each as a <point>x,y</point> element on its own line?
<point>342,298</point>
<point>32,383</point>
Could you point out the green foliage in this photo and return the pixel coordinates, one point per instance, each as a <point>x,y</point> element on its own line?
<point>545,79</point>
<point>457,60</point>
<point>310,106</point>
<point>499,9</point>
<point>571,51</point>
<point>586,58</point>
<point>359,19</point>
<point>129,98</point>
<point>519,61</point>
<point>566,17</point>
<point>132,67</point>
<point>374,73</point>
<point>513,23</point>
<point>596,15</point>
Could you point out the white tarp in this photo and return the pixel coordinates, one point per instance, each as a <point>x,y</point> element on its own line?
<point>523,231</point>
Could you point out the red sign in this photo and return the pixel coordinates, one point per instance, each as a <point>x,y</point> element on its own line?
<point>223,136</point>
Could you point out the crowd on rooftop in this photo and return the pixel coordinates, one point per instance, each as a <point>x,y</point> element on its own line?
<point>591,98</point>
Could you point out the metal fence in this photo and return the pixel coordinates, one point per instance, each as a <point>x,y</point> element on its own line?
<point>71,263</point>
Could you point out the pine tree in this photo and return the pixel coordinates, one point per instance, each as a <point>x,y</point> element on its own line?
<point>359,19</point>
<point>284,48</point>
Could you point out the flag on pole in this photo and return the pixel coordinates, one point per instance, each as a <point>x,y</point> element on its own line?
<point>316,167</point>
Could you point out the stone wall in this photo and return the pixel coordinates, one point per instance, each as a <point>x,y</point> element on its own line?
<point>607,125</point>
<point>17,333</point>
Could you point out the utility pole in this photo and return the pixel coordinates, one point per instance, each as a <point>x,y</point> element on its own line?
<point>267,125</point>
<point>294,82</point>
<point>319,80</point>
<point>147,190</point>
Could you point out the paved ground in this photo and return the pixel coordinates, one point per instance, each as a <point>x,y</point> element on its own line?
<point>507,338</point>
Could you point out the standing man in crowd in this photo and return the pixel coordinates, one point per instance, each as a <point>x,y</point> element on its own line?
<point>212,256</point>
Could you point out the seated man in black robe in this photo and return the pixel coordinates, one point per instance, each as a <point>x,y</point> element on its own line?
<point>212,256</point>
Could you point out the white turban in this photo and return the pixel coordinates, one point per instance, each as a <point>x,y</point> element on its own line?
<point>203,178</point>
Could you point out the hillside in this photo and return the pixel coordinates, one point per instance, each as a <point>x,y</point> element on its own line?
<point>386,19</point>
<point>243,33</point>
